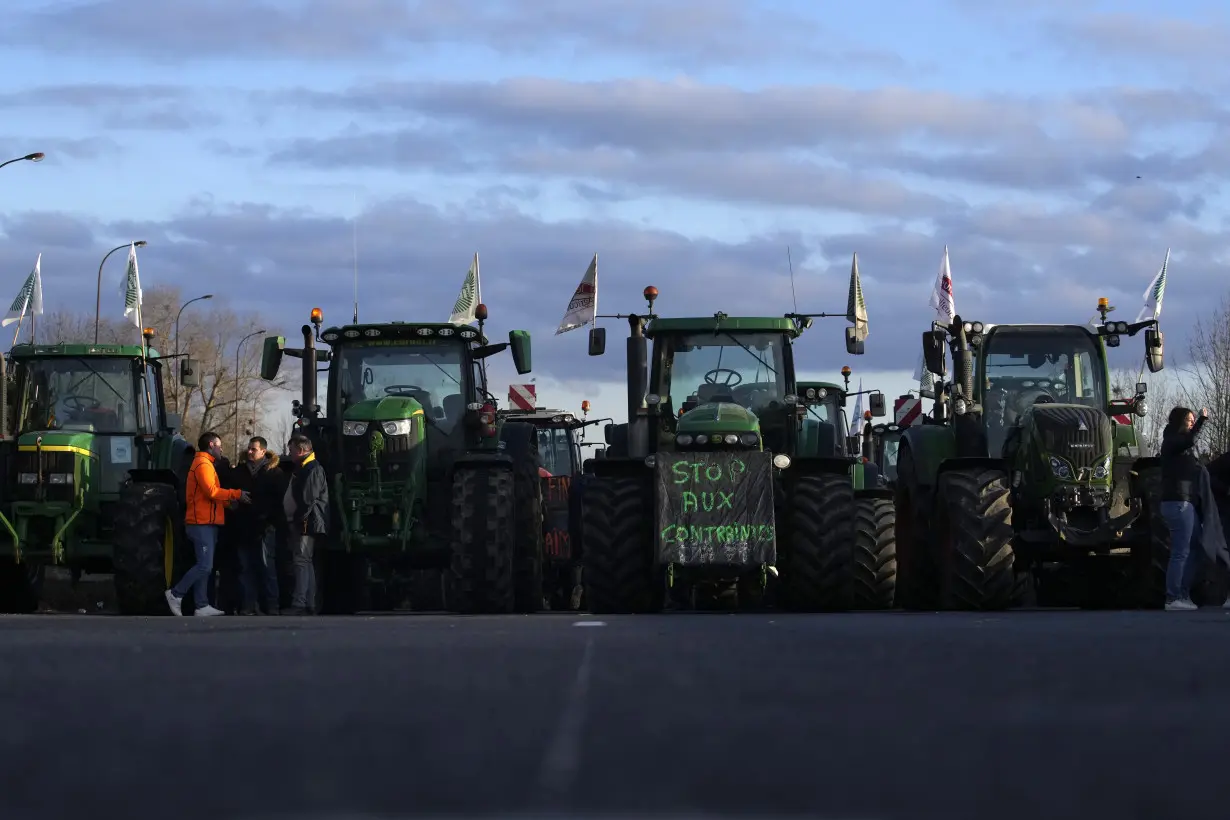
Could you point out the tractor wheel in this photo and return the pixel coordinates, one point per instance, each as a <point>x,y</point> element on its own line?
<point>147,532</point>
<point>1151,558</point>
<point>1212,585</point>
<point>820,519</point>
<point>483,541</point>
<point>19,588</point>
<point>875,553</point>
<point>975,542</point>
<point>521,442</point>
<point>916,587</point>
<point>619,573</point>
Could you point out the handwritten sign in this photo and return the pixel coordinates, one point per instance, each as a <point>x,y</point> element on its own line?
<point>716,508</point>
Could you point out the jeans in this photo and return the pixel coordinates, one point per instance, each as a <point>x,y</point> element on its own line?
<point>301,550</point>
<point>1185,548</point>
<point>258,573</point>
<point>204,538</point>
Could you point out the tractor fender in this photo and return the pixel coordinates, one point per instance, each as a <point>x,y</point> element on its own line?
<point>929,446</point>
<point>617,467</point>
<point>816,465</point>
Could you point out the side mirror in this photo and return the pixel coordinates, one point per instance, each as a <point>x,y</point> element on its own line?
<point>933,351</point>
<point>175,422</point>
<point>271,357</point>
<point>1142,388</point>
<point>877,405</point>
<point>851,445</point>
<point>187,372</point>
<point>1154,349</point>
<point>597,341</point>
<point>854,345</point>
<point>519,341</point>
<point>607,429</point>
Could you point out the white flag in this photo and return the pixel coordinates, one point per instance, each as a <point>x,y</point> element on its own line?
<point>856,305</point>
<point>584,304</point>
<point>856,425</point>
<point>468,299</point>
<point>944,304</point>
<point>1155,292</point>
<point>132,289</point>
<point>29,298</point>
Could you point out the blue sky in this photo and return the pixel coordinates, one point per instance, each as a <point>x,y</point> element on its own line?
<point>686,142</point>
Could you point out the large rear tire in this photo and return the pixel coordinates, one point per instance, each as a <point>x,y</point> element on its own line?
<point>619,573</point>
<point>975,541</point>
<point>147,535</point>
<point>820,533</point>
<point>483,541</point>
<point>521,442</point>
<point>875,554</point>
<point>1152,555</point>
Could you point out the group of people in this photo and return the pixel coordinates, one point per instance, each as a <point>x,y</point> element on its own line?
<point>252,507</point>
<point>1195,506</point>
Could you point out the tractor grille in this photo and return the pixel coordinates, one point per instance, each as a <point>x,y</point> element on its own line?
<point>55,462</point>
<point>1082,435</point>
<point>395,460</point>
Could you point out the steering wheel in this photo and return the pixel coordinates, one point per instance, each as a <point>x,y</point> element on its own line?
<point>712,377</point>
<point>394,389</point>
<point>80,404</point>
<point>1032,396</point>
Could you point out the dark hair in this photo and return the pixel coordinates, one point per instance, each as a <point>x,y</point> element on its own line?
<point>301,442</point>
<point>205,439</point>
<point>1177,416</point>
<point>259,440</point>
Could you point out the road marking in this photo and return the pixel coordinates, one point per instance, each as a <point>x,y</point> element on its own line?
<point>563,758</point>
<point>590,623</point>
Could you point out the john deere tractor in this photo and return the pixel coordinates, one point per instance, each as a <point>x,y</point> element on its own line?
<point>871,569</point>
<point>709,484</point>
<point>94,468</point>
<point>423,473</point>
<point>1022,469</point>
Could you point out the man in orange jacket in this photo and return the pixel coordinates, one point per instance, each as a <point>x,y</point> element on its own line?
<point>206,502</point>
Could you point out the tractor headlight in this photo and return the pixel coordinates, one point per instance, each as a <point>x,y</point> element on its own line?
<point>27,478</point>
<point>401,427</point>
<point>730,438</point>
<point>1140,407</point>
<point>1102,469</point>
<point>652,399</point>
<point>683,439</point>
<point>749,439</point>
<point>60,478</point>
<point>1061,469</point>
<point>781,461</point>
<point>354,428</point>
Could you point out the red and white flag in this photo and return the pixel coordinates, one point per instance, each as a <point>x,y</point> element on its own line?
<point>944,304</point>
<point>583,306</point>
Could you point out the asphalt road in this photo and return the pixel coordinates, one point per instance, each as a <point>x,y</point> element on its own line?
<point>880,715</point>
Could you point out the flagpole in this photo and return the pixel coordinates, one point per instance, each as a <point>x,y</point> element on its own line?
<point>478,282</point>
<point>595,290</point>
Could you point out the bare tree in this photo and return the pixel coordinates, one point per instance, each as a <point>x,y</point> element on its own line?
<point>1206,377</point>
<point>1161,396</point>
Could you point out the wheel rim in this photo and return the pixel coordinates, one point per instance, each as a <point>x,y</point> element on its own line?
<point>168,551</point>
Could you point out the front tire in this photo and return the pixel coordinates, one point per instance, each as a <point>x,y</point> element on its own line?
<point>147,534</point>
<point>820,530</point>
<point>975,542</point>
<point>483,540</point>
<point>619,574</point>
<point>875,554</point>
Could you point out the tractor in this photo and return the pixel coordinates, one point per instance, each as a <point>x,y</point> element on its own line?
<point>424,475</point>
<point>708,484</point>
<point>1022,468</point>
<point>560,435</point>
<point>94,467</point>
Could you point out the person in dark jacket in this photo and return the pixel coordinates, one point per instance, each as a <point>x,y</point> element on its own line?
<point>1181,476</point>
<point>253,527</point>
<point>306,507</point>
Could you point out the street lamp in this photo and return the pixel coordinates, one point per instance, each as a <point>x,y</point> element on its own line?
<point>37,156</point>
<point>238,348</point>
<point>141,243</point>
<point>178,386</point>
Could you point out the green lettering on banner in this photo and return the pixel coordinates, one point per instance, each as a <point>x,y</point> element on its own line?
<point>729,534</point>
<point>694,472</point>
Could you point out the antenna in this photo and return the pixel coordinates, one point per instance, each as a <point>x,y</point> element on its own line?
<point>790,264</point>
<point>355,238</point>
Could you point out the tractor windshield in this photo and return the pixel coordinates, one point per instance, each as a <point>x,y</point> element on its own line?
<point>92,394</point>
<point>888,455</point>
<point>433,374</point>
<point>742,368</point>
<point>1028,365</point>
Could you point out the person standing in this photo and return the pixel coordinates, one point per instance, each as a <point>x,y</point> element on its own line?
<point>306,504</point>
<point>206,513</point>
<point>252,527</point>
<point>1181,477</point>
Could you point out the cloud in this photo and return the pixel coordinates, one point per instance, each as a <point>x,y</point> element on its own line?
<point>116,106</point>
<point>1134,36</point>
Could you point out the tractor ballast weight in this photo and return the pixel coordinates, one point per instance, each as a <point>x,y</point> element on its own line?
<point>711,482</point>
<point>1021,470</point>
<point>93,468</point>
<point>423,479</point>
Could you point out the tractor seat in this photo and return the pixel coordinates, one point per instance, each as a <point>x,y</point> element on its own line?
<point>708,393</point>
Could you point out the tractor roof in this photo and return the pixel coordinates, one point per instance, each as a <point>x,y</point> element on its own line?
<point>541,415</point>
<point>76,351</point>
<point>732,324</point>
<point>368,333</point>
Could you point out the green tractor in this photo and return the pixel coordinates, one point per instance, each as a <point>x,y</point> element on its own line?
<point>880,447</point>
<point>712,482</point>
<point>871,574</point>
<point>424,475</point>
<point>1023,469</point>
<point>94,468</point>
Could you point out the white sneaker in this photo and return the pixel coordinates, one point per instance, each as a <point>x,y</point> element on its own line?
<point>176,604</point>
<point>1181,605</point>
<point>207,610</point>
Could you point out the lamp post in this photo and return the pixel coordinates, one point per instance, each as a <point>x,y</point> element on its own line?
<point>37,156</point>
<point>238,348</point>
<point>178,386</point>
<point>141,243</point>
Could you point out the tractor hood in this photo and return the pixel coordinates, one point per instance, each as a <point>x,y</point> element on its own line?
<point>1076,441</point>
<point>719,417</point>
<point>59,440</point>
<point>389,408</point>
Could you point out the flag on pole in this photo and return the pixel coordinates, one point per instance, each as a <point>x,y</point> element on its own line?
<point>856,424</point>
<point>132,289</point>
<point>583,307</point>
<point>856,306</point>
<point>1155,292</point>
<point>469,298</point>
<point>30,298</point>
<point>944,304</point>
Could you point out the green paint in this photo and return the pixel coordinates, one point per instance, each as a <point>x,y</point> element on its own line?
<point>675,534</point>
<point>684,471</point>
<point>389,408</point>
